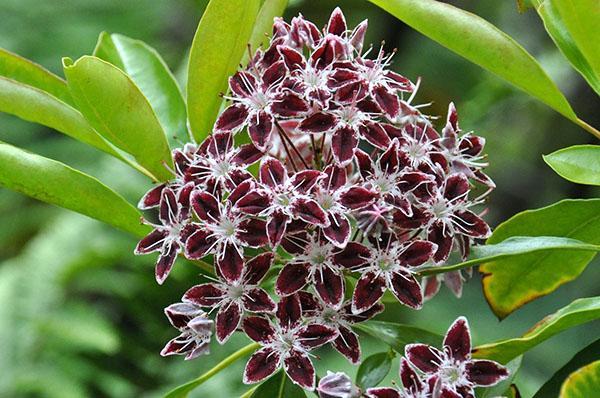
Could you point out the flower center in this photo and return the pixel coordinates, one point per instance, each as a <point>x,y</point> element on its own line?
<point>236,292</point>
<point>227,228</point>
<point>283,200</point>
<point>220,169</point>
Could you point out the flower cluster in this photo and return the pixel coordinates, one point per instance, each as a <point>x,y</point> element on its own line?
<point>427,372</point>
<point>353,181</point>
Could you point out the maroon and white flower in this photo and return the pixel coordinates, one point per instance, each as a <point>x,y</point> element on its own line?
<point>234,299</point>
<point>458,373</point>
<point>337,385</point>
<point>285,343</point>
<point>224,231</point>
<point>328,194</point>
<point>195,328</point>
<point>170,236</point>
<point>391,267</point>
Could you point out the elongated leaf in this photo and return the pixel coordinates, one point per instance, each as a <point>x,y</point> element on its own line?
<point>481,43</point>
<point>152,75</point>
<point>118,110</point>
<point>22,70</point>
<point>556,28</point>
<point>219,44</point>
<point>56,183</point>
<point>263,27</point>
<point>583,383</point>
<point>552,387</point>
<point>515,246</point>
<point>374,369</point>
<point>397,335</point>
<point>34,105</point>
<point>579,163</point>
<point>510,283</point>
<point>278,386</point>
<point>578,312</point>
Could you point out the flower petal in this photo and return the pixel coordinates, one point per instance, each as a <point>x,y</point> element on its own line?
<point>258,329</point>
<point>274,74</point>
<point>300,369</point>
<point>151,198</point>
<point>383,392</point>
<point>262,364</point>
<point>485,373</point>
<point>347,344</point>
<point>315,335</point>
<point>292,278</point>
<point>338,231</point>
<point>431,286</point>
<point>335,177</point>
<point>272,173</point>
<point>456,186</point>
<point>357,197</point>
<point>453,281</point>
<point>471,225</point>
<point>369,289</point>
<point>410,378</point>
<point>292,58</point>
<point>253,233</point>
<point>165,262</point>
<point>417,253</point>
<point>458,339</point>
<point>303,181</point>
<point>257,268</point>
<point>152,242</point>
<point>443,241</point>
<point>206,206</point>
<point>407,290</point>
<point>246,155</point>
<point>337,22</point>
<point>309,211</point>
<point>289,105</point>
<point>232,118</point>
<point>343,144</point>
<point>205,295</point>
<point>276,227</point>
<point>388,101</point>
<point>254,202</point>
<point>289,311</point>
<point>179,314</point>
<point>319,122</point>
<point>424,357</point>
<point>169,207</point>
<point>353,255</point>
<point>375,135</point>
<point>231,264</point>
<point>197,244</point>
<point>228,320</point>
<point>260,130</point>
<point>329,285</point>
<point>257,300</point>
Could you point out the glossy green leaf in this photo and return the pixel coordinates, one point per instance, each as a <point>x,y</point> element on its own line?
<point>22,70</point>
<point>278,386</point>
<point>118,111</point>
<point>397,335</point>
<point>555,25</point>
<point>579,163</point>
<point>515,246</point>
<point>552,387</point>
<point>34,105</point>
<point>584,383</point>
<point>263,26</point>
<point>373,369</point>
<point>512,282</point>
<point>502,389</point>
<point>578,312</point>
<point>219,44</point>
<point>152,75</point>
<point>482,43</point>
<point>56,183</point>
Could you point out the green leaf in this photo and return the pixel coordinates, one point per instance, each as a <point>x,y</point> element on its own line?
<point>515,246</point>
<point>397,335</point>
<point>22,70</point>
<point>510,283</point>
<point>556,27</point>
<point>552,387</point>
<point>584,383</point>
<point>56,183</point>
<point>374,369</point>
<point>502,389</point>
<point>482,43</point>
<point>219,44</point>
<point>578,312</point>
<point>278,386</point>
<point>152,75</point>
<point>263,27</point>
<point>118,110</point>
<point>579,163</point>
<point>34,105</point>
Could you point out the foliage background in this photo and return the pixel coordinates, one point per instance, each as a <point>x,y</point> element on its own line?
<point>80,316</point>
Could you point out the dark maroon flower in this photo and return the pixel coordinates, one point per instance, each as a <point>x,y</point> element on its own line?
<point>169,237</point>
<point>285,343</point>
<point>195,328</point>
<point>391,267</point>
<point>234,299</point>
<point>458,373</point>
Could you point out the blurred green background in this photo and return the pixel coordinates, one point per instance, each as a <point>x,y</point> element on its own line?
<point>80,316</point>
